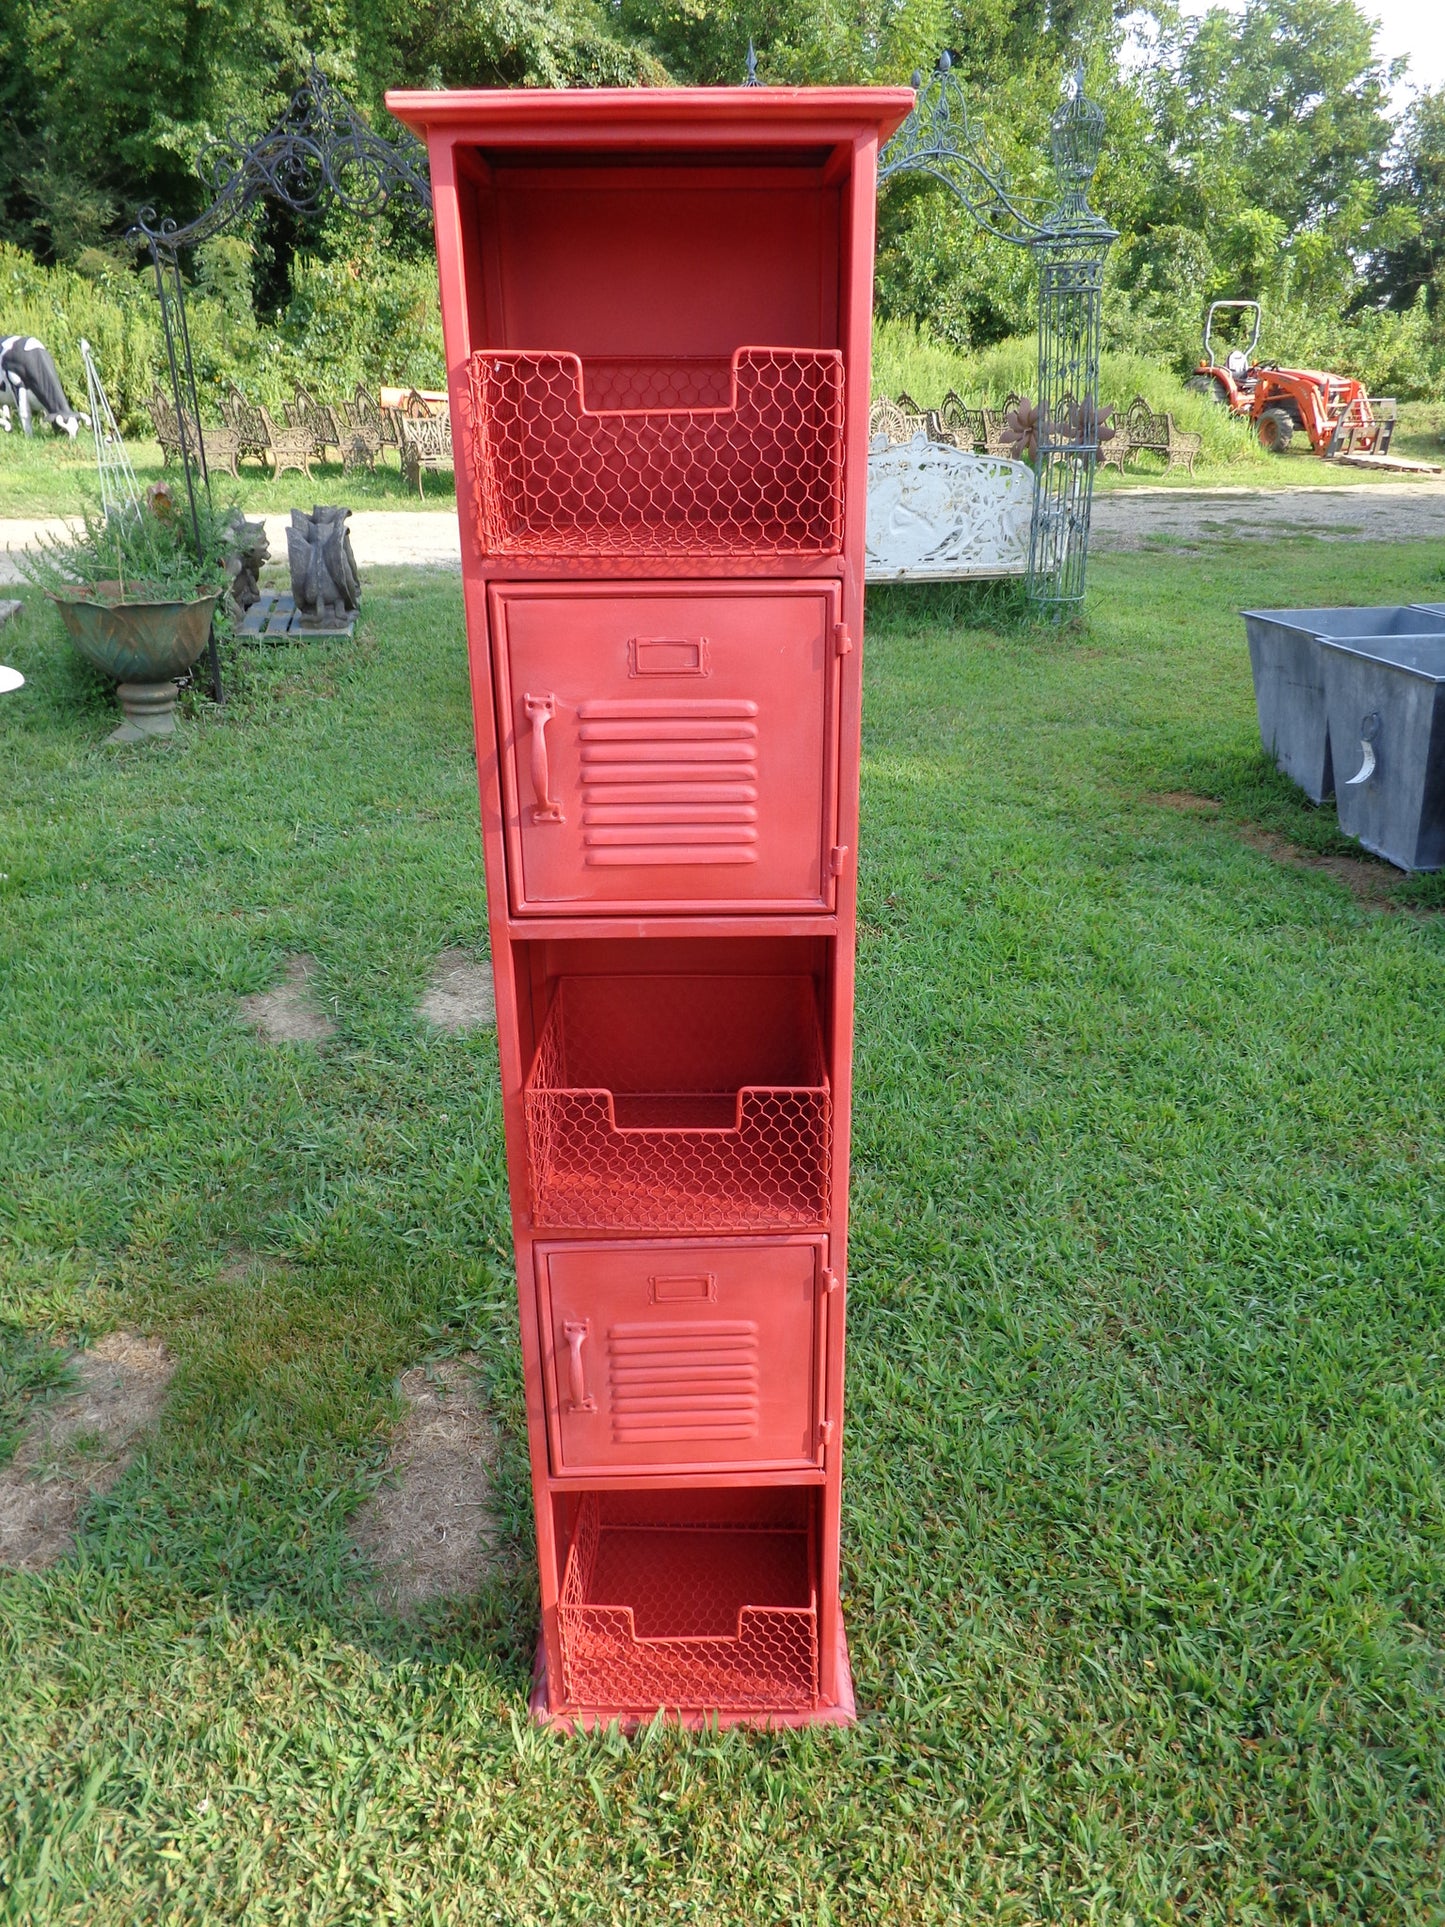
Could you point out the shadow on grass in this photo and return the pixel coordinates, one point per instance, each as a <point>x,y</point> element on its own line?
<point>1000,604</point>
<point>1253,795</point>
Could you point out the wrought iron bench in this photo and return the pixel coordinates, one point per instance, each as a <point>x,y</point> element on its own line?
<point>1150,432</point>
<point>257,434</point>
<point>364,432</point>
<point>167,428</point>
<point>959,424</point>
<point>940,509</point>
<point>222,447</point>
<point>974,429</point>
<point>426,442</point>
<point>319,417</point>
<point>892,419</point>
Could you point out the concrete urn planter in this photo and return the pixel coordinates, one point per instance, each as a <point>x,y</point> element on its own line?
<point>144,645</point>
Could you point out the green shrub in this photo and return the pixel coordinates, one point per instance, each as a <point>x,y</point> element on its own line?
<point>148,551</point>
<point>366,317</point>
<point>115,311</point>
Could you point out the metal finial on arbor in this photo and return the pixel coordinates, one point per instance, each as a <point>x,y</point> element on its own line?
<point>1071,243</point>
<point>1076,140</point>
<point>752,79</point>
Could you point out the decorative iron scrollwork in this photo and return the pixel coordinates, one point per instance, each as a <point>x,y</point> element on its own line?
<point>319,154</point>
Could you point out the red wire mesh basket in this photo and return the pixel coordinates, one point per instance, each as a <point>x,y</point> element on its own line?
<point>691,1616</point>
<point>679,1104</point>
<point>682,458</point>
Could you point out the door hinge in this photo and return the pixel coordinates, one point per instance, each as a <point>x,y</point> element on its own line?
<point>842,641</point>
<point>825,1432</point>
<point>830,1282</point>
<point>837,857</point>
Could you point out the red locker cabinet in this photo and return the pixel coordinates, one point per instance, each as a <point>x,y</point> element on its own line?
<point>657,308</point>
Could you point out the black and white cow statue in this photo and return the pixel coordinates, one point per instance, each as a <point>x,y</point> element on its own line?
<point>30,387</point>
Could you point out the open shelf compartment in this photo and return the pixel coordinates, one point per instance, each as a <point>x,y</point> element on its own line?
<point>691,1601</point>
<point>691,457</point>
<point>679,1103</point>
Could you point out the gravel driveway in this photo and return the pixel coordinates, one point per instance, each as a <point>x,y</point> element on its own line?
<point>378,536</point>
<point>1146,518</point>
<point>1135,518</point>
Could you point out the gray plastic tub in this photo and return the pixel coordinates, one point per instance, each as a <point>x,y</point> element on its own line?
<point>1289,679</point>
<point>1386,704</point>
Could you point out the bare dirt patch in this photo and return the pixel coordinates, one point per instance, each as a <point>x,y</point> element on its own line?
<point>1371,884</point>
<point>289,1014</point>
<point>78,1447</point>
<point>430,1531</point>
<point>459,994</point>
<point>242,1266</point>
<point>1185,801</point>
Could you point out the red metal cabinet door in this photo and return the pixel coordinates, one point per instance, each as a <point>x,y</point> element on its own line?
<point>668,749</point>
<point>665,1357</point>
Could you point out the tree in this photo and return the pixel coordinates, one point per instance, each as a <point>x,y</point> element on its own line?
<point>108,102</point>
<point>1270,136</point>
<point>1411,262</point>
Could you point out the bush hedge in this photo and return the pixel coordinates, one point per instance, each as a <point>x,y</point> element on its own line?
<point>364,317</point>
<point>366,314</point>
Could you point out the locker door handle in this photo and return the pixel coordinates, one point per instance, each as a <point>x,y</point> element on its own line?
<point>575,1331</point>
<point>540,711</point>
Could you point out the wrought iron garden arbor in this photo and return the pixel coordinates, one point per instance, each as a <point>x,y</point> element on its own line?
<point>1070,244</point>
<point>320,154</point>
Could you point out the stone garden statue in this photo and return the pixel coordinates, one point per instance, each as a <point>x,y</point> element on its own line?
<point>324,584</point>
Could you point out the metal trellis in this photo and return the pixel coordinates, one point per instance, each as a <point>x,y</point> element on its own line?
<point>1071,244</point>
<point>319,154</point>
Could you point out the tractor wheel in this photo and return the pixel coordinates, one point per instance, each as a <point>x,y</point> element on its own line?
<point>1211,388</point>
<point>1275,428</point>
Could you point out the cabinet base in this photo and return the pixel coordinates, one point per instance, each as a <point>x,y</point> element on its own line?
<point>586,1719</point>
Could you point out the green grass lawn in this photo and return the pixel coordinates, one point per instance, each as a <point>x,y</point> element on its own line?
<point>50,475</point>
<point>1144,1537</point>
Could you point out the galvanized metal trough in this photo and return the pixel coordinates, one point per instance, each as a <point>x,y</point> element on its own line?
<point>1386,703</point>
<point>1351,704</point>
<point>1289,679</point>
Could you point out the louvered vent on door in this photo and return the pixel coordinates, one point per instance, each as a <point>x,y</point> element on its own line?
<point>693,1380</point>
<point>668,781</point>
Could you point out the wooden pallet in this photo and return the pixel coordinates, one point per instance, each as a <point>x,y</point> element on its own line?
<point>1388,464</point>
<point>274,617</point>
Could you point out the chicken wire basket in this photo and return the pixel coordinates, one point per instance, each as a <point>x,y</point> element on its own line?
<point>636,458</point>
<point>679,1103</point>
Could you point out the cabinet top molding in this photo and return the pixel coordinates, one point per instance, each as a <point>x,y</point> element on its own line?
<point>671,115</point>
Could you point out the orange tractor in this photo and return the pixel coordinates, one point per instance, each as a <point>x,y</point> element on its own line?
<point>1333,410</point>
